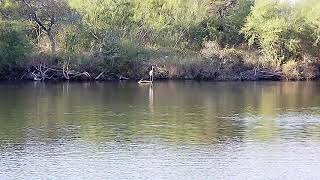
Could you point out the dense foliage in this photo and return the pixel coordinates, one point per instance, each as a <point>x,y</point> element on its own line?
<point>14,45</point>
<point>119,30</point>
<point>284,31</point>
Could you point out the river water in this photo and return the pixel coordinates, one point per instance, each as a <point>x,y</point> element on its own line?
<point>171,130</point>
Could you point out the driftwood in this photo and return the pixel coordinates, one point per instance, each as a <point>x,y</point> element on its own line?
<point>123,78</point>
<point>67,73</point>
<point>97,78</point>
<point>24,74</point>
<point>44,72</point>
<point>258,74</point>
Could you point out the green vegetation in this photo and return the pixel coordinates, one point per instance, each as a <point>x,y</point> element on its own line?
<point>282,32</point>
<point>14,45</point>
<point>188,39</point>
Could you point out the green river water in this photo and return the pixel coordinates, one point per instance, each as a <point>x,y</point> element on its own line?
<point>171,130</point>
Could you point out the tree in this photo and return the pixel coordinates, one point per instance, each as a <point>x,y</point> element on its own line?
<point>269,28</point>
<point>14,44</point>
<point>230,16</point>
<point>220,8</point>
<point>308,13</point>
<point>281,30</point>
<point>46,14</point>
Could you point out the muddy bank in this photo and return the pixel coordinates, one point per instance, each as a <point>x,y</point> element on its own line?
<point>137,71</point>
<point>221,65</point>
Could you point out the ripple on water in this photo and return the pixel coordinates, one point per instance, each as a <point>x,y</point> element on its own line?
<point>190,131</point>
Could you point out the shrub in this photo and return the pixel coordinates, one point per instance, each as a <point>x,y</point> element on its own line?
<point>290,70</point>
<point>14,46</point>
<point>282,31</point>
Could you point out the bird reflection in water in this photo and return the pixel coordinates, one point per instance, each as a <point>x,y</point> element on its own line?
<point>151,107</point>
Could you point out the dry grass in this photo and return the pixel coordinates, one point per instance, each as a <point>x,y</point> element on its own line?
<point>212,62</point>
<point>291,70</point>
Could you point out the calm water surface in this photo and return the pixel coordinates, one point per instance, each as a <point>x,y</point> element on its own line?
<point>173,130</point>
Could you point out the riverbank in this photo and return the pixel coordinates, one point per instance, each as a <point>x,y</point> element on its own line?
<point>222,41</point>
<point>211,64</point>
<point>162,72</point>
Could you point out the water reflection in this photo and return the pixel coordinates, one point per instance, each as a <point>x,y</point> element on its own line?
<point>151,98</point>
<point>212,117</point>
<point>186,112</point>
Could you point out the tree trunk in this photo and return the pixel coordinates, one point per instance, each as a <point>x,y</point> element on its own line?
<point>52,40</point>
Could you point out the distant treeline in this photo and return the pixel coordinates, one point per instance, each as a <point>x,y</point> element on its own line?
<point>205,39</point>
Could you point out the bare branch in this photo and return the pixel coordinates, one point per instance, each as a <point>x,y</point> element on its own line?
<point>34,16</point>
<point>99,75</point>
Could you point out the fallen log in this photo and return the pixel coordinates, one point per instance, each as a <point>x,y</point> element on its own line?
<point>260,75</point>
<point>123,78</point>
<point>99,75</point>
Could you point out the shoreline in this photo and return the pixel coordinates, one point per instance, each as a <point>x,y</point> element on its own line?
<point>111,79</point>
<point>239,66</point>
<point>164,75</point>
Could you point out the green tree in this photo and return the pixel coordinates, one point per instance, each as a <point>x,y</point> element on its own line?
<point>269,27</point>
<point>47,14</point>
<point>283,31</point>
<point>308,14</point>
<point>14,45</point>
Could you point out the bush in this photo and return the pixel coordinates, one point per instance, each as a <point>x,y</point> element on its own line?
<point>282,31</point>
<point>291,70</point>
<point>14,46</point>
